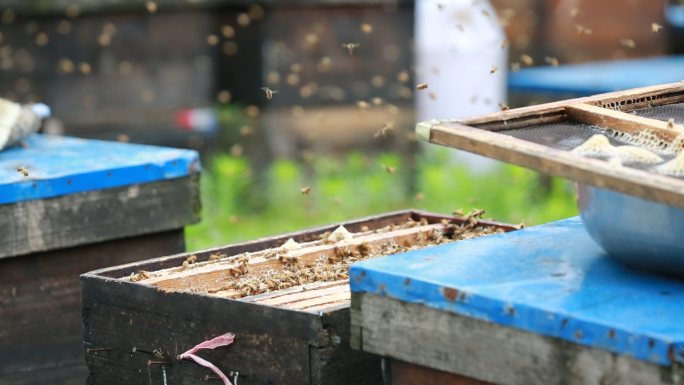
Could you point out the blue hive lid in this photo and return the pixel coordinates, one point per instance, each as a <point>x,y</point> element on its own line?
<point>551,279</point>
<point>62,165</point>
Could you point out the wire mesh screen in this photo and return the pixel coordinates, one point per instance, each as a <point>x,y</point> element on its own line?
<point>664,113</point>
<point>569,135</point>
<point>563,136</point>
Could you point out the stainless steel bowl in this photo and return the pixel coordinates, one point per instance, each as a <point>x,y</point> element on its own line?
<point>642,234</point>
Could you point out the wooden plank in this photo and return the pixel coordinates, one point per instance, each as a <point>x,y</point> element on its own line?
<point>206,277</point>
<point>520,117</point>
<point>404,373</point>
<point>99,215</point>
<point>41,338</point>
<point>595,172</point>
<point>620,121</point>
<point>304,295</point>
<point>122,315</point>
<point>340,296</point>
<point>340,364</point>
<point>487,351</point>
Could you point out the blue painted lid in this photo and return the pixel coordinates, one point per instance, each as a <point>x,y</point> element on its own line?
<point>60,165</point>
<point>551,279</point>
<point>599,77</point>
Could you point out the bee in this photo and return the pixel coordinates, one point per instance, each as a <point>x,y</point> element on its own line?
<point>527,59</point>
<point>419,196</point>
<point>269,92</point>
<point>552,61</point>
<point>366,28</point>
<point>383,131</point>
<point>351,46</point>
<point>433,96</point>
<point>186,264</point>
<point>305,190</point>
<point>582,30</point>
<point>390,169</point>
<point>216,257</point>
<point>655,27</point>
<point>504,44</point>
<point>422,86</point>
<point>670,123</point>
<point>504,107</point>
<point>445,222</point>
<point>574,12</point>
<point>494,69</point>
<point>486,13</point>
<point>478,213</point>
<point>289,258</point>
<point>364,228</point>
<point>629,43</point>
<point>515,67</point>
<point>460,27</point>
<point>192,259</point>
<point>440,6</point>
<point>23,171</point>
<point>242,259</point>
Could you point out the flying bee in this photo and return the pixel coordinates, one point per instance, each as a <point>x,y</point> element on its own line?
<point>494,69</point>
<point>305,190</point>
<point>23,171</point>
<point>670,123</point>
<point>504,44</point>
<point>460,27</point>
<point>422,86</point>
<point>504,107</point>
<point>527,59</point>
<point>440,6</point>
<point>390,169</point>
<point>269,92</point>
<point>433,96</point>
<point>458,213</point>
<point>486,13</point>
<point>515,67</point>
<point>655,27</point>
<point>351,46</point>
<point>629,43</point>
<point>552,61</point>
<point>389,126</point>
<point>582,30</point>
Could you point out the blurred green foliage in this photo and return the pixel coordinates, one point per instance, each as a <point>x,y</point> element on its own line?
<point>239,206</point>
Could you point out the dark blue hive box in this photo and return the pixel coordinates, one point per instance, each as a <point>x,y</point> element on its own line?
<point>84,205</point>
<point>538,306</point>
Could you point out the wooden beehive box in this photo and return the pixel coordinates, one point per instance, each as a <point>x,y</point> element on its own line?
<point>284,335</point>
<point>543,138</point>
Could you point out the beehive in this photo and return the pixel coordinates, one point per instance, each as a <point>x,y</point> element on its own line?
<point>285,298</point>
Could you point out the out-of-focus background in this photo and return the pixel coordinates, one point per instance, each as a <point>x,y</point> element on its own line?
<point>189,73</point>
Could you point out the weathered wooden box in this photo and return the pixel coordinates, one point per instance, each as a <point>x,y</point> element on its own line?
<point>296,335</point>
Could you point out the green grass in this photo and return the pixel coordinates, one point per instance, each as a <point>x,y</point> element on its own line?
<point>238,205</point>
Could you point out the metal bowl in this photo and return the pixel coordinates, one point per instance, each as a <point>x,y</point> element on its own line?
<point>642,234</point>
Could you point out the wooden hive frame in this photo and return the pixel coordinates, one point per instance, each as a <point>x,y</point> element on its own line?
<point>480,135</point>
<point>282,337</point>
